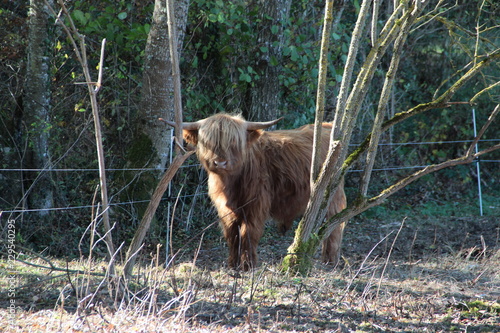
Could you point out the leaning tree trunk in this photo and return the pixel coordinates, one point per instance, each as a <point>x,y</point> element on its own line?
<point>266,94</point>
<point>37,105</point>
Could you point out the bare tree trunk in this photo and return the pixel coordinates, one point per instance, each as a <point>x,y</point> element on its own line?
<point>157,83</point>
<point>37,104</point>
<point>266,94</point>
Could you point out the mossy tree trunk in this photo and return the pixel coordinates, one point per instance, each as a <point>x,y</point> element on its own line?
<point>157,94</point>
<point>313,227</point>
<point>151,144</point>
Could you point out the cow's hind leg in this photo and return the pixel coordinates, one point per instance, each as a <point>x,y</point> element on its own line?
<point>284,225</point>
<point>332,244</point>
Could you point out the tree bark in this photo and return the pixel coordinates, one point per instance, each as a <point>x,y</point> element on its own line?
<point>266,94</point>
<point>157,83</point>
<point>37,105</point>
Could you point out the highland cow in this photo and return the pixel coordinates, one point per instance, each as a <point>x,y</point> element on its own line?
<point>254,176</point>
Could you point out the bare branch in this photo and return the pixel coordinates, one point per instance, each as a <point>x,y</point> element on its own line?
<point>66,29</point>
<point>81,53</point>
<point>101,65</point>
<point>384,98</point>
<point>373,28</point>
<point>479,94</point>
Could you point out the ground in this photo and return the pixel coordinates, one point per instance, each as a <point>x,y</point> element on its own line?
<point>414,274</point>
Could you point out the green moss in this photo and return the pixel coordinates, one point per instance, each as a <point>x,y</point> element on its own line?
<point>478,308</point>
<point>354,156</point>
<point>140,154</point>
<point>141,151</point>
<point>298,259</point>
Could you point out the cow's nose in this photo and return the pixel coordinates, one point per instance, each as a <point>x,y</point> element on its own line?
<point>220,164</point>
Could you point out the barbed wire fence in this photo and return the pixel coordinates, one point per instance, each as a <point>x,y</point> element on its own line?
<point>198,193</point>
<point>200,188</point>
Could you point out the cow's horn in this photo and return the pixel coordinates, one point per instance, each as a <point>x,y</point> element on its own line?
<point>187,126</point>
<point>252,126</point>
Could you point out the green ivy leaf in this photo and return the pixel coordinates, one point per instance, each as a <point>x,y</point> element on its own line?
<point>122,15</point>
<point>80,16</point>
<point>273,61</point>
<point>294,55</point>
<point>245,77</point>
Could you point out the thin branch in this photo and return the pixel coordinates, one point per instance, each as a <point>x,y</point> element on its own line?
<point>174,58</point>
<point>373,28</point>
<point>389,257</point>
<point>362,204</point>
<point>101,65</point>
<point>384,98</point>
<point>479,94</point>
<point>466,159</point>
<point>50,266</point>
<point>65,27</point>
<point>59,269</point>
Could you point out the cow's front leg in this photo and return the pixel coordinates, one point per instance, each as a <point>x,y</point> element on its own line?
<point>249,240</point>
<point>232,236</point>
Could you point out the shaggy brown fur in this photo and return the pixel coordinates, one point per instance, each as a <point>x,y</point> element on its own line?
<point>257,175</point>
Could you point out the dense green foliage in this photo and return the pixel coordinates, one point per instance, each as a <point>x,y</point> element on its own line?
<point>219,66</point>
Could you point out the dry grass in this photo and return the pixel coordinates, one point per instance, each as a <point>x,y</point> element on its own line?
<point>412,283</point>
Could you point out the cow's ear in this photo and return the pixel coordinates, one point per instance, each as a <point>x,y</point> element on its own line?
<point>191,136</point>
<point>253,135</point>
